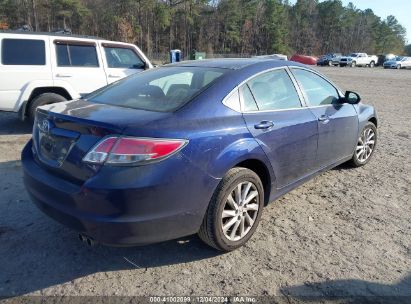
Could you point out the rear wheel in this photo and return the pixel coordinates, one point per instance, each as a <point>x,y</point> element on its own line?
<point>366,144</point>
<point>41,100</point>
<point>372,64</point>
<point>234,210</point>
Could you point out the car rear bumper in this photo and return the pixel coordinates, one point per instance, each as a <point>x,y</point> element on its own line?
<point>114,209</point>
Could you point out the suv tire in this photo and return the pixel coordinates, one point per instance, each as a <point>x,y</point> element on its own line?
<point>41,100</point>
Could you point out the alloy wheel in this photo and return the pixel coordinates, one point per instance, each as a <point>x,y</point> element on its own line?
<point>365,145</point>
<point>240,211</point>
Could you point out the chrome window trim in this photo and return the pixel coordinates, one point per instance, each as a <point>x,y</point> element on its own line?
<point>301,95</point>
<point>319,75</point>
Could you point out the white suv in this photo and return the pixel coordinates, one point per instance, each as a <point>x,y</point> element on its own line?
<point>38,69</point>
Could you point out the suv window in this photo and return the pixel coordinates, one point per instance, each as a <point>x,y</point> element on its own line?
<point>23,52</point>
<point>70,55</point>
<point>274,91</point>
<point>162,90</point>
<point>123,58</point>
<point>318,91</point>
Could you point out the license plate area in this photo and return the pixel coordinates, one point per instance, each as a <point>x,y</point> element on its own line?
<point>53,148</point>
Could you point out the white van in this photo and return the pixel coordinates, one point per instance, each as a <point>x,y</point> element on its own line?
<point>43,68</point>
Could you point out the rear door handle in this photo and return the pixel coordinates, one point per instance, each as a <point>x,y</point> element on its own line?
<point>63,75</point>
<point>324,119</point>
<point>265,124</point>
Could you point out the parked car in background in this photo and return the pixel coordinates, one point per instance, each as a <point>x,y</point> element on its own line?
<point>199,146</point>
<point>43,68</point>
<point>309,60</point>
<point>332,59</point>
<point>398,63</point>
<point>384,58</point>
<point>358,59</point>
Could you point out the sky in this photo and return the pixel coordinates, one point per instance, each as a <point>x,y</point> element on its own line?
<point>401,9</point>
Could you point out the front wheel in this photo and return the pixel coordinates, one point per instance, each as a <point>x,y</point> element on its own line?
<point>399,67</point>
<point>366,144</point>
<point>234,210</point>
<point>353,64</point>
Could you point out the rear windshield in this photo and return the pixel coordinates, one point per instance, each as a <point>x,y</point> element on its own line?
<point>161,90</point>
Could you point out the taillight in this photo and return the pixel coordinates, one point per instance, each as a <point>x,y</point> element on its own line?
<point>130,150</point>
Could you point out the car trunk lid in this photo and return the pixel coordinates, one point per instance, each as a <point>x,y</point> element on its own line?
<point>63,133</point>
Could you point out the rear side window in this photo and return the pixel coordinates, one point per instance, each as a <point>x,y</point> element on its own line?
<point>123,58</point>
<point>247,98</point>
<point>23,52</point>
<point>162,90</point>
<point>274,91</point>
<point>70,55</point>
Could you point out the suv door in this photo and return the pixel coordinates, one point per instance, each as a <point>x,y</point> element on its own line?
<point>24,59</point>
<point>286,130</point>
<point>79,64</point>
<point>121,61</point>
<point>337,122</point>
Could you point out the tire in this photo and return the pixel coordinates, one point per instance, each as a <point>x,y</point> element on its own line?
<point>363,155</point>
<point>212,231</point>
<point>372,64</point>
<point>330,63</point>
<point>353,64</point>
<point>41,100</point>
<point>399,67</point>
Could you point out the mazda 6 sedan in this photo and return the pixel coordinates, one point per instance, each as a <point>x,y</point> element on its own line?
<point>193,147</point>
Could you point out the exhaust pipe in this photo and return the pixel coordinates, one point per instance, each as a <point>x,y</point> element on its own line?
<point>86,239</point>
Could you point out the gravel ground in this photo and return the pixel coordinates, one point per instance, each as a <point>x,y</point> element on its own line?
<point>345,233</point>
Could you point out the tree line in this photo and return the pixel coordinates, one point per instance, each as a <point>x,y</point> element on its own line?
<point>241,27</point>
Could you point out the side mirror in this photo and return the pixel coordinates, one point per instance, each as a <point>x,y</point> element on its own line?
<point>352,97</point>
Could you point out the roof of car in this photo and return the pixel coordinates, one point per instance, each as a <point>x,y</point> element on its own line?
<point>233,63</point>
<point>56,34</point>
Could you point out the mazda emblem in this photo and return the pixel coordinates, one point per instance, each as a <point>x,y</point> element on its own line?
<point>45,126</point>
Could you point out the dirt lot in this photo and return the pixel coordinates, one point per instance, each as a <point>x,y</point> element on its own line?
<point>345,233</point>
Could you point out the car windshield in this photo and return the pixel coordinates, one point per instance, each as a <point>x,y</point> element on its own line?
<point>354,55</point>
<point>161,90</point>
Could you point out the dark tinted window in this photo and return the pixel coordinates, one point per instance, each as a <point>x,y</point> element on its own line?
<point>122,58</point>
<point>69,55</point>
<point>23,52</point>
<point>318,91</point>
<point>162,90</point>
<point>274,91</point>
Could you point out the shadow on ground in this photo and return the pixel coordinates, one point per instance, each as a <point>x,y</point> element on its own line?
<point>351,291</point>
<point>10,123</point>
<point>37,252</point>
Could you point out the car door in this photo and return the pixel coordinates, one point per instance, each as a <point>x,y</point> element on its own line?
<point>78,64</point>
<point>337,121</point>
<point>286,131</point>
<point>121,61</point>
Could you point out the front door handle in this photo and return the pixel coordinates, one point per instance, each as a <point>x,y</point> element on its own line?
<point>324,119</point>
<point>63,75</point>
<point>114,76</point>
<point>265,124</point>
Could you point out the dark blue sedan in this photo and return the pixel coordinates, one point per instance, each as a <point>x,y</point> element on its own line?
<point>194,147</point>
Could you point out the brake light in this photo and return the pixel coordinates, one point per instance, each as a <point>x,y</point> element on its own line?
<point>130,150</point>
